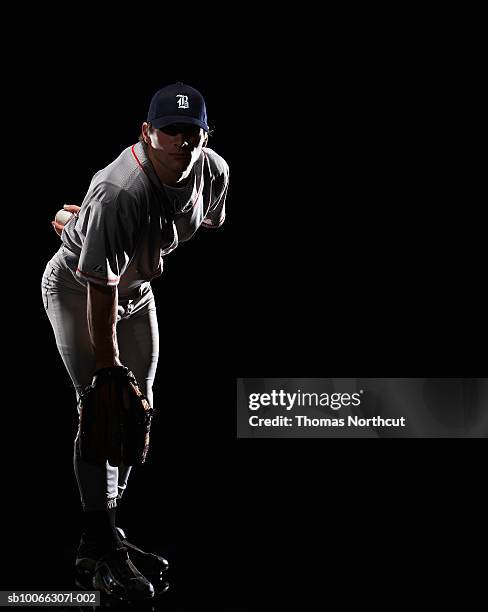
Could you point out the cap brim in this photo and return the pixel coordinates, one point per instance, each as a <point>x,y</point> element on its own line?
<point>169,120</point>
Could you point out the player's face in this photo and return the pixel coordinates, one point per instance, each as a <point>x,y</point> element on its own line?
<point>177,147</point>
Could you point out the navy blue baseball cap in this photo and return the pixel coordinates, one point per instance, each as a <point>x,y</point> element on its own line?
<point>178,103</point>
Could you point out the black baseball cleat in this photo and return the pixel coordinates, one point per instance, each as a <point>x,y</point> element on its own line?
<point>153,566</point>
<point>115,576</point>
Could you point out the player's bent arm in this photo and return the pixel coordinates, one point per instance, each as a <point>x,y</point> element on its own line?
<point>102,318</point>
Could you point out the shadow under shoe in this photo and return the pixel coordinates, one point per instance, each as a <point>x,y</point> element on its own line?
<point>116,576</point>
<point>153,566</point>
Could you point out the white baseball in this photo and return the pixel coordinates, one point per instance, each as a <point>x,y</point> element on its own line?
<point>62,217</point>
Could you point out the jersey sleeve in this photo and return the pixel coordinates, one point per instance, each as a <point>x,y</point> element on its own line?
<point>109,229</point>
<point>216,213</point>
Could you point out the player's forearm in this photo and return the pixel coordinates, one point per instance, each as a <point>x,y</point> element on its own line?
<point>102,318</point>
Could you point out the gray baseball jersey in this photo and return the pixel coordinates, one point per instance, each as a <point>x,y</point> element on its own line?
<point>129,220</point>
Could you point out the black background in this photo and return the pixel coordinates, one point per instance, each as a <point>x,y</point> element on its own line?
<point>352,246</point>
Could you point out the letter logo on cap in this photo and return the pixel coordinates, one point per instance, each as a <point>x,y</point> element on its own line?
<point>182,101</point>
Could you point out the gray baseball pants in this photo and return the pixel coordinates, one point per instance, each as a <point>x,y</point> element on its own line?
<point>64,300</point>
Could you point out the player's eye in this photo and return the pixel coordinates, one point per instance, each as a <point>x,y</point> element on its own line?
<point>170,130</point>
<point>180,128</point>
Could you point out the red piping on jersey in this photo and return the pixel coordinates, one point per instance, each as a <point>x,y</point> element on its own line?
<point>137,159</point>
<point>97,277</point>
<point>207,226</point>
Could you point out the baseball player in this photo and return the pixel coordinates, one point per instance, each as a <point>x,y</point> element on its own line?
<point>97,294</point>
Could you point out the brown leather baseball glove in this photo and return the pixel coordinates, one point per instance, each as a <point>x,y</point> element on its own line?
<point>115,419</point>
